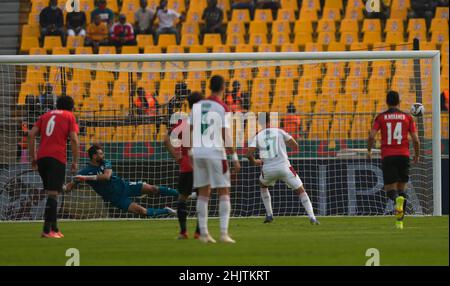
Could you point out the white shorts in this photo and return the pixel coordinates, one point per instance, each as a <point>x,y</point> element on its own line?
<point>212,172</point>
<point>288,175</point>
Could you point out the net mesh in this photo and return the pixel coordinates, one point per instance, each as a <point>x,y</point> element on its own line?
<point>327,106</point>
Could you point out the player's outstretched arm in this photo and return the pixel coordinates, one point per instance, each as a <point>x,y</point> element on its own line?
<point>170,148</point>
<point>251,158</point>
<point>292,144</point>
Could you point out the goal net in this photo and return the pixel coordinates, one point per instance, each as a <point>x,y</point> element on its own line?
<point>326,101</point>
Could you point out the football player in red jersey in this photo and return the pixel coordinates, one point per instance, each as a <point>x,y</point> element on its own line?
<point>395,126</point>
<point>186,178</point>
<point>54,127</point>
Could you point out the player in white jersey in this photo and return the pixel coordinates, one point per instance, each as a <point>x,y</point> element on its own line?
<point>209,130</point>
<point>271,143</point>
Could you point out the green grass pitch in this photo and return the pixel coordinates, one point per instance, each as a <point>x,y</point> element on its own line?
<point>287,241</point>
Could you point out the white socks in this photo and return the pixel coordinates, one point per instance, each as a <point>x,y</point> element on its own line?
<point>265,196</point>
<point>307,205</point>
<point>202,213</point>
<point>224,212</point>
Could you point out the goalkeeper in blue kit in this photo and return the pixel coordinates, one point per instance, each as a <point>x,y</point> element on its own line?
<point>99,175</point>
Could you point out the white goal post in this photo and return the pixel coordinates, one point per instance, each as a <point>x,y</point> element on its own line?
<point>239,60</point>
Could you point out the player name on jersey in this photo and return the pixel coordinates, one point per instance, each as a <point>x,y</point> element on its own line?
<point>394,116</point>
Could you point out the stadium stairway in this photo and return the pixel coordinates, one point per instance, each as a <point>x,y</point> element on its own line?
<point>9,26</point>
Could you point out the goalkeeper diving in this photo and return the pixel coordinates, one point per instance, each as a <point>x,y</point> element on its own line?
<point>99,175</point>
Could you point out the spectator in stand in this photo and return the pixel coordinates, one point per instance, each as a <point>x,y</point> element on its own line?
<point>292,123</point>
<point>244,4</point>
<point>383,14</point>
<point>274,5</point>
<point>106,14</point>
<point>167,18</point>
<point>47,99</point>
<point>122,32</point>
<point>144,17</point>
<point>213,18</point>
<point>97,34</point>
<point>444,100</point>
<point>423,9</point>
<point>146,103</point>
<point>237,99</point>
<point>51,20</point>
<point>76,24</point>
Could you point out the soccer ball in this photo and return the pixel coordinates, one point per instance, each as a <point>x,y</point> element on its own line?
<point>417,109</point>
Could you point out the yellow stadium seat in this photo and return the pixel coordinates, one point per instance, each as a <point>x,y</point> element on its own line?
<point>211,40</point>
<point>401,84</point>
<point>331,14</point>
<point>310,15</point>
<point>194,15</point>
<point>197,71</point>
<point>243,48</point>
<point>33,19</point>
<point>258,27</point>
<point>326,37</point>
<point>335,69</point>
<point>416,24</point>
<point>377,85</point>
<point>307,87</point>
<point>224,5</point>
<point>333,4</point>
<point>393,37</point>
<point>197,49</point>
<point>81,75</point>
<point>83,50</point>
<point>303,26</point>
<point>288,47</point>
<point>325,25</point>
<point>441,13</point>
<point>35,74</point>
<point>263,15</point>
<point>165,40</point>
<point>260,90</point>
<point>280,27</point>
<point>358,69</point>
<point>174,49</point>
<point>30,30</point>
<point>361,127</point>
<point>349,38</point>
<point>51,42</point>
<point>152,50</point>
<point>289,4</point>
<point>289,72</point>
<point>345,104</point>
<point>371,37</point>
<point>130,6</point>
<point>354,84</point>
<point>27,88</point>
<point>420,35</point>
<point>403,46</point>
<point>265,48</point>
<point>74,42</point>
<point>120,89</point>
<point>144,40</point>
<point>38,51</point>
<point>400,4</point>
<point>355,4</point>
<point>336,46</point>
<point>330,86</point>
<point>354,14</point>
<point>190,28</point>
<point>177,5</point>
<point>399,14</point>
<point>130,50</point>
<point>87,5</point>
<point>313,47</point>
<point>166,91</point>
<point>221,49</point>
<point>243,73</point>
<point>189,40</point>
<point>281,39</point>
<point>225,73</point>
<point>28,43</point>
<point>235,39</point>
<point>286,14</point>
<point>267,72</point>
<point>38,5</point>
<point>240,15</point>
<point>235,27</point>
<point>151,71</point>
<point>311,5</point>
<point>439,37</point>
<point>381,69</point>
<point>340,128</point>
<point>319,128</point>
<point>60,51</point>
<point>427,46</point>
<point>258,39</point>
<point>394,25</point>
<point>104,76</point>
<point>302,38</point>
<point>381,46</point>
<point>109,50</point>
<point>313,70</point>
<point>76,90</point>
<point>371,25</point>
<point>303,104</point>
<point>349,25</point>
<point>147,85</point>
<point>357,46</point>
